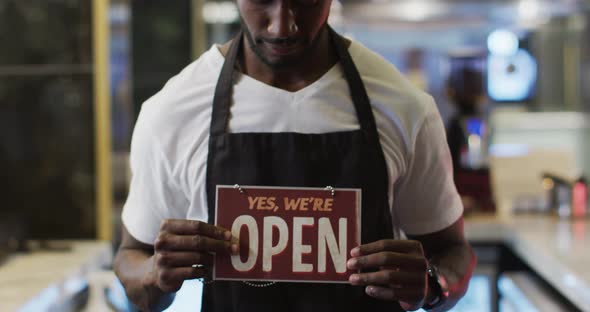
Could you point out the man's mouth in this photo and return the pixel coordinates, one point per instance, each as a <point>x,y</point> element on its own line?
<point>283,47</point>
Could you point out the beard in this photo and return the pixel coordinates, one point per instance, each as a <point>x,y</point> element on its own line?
<point>284,62</point>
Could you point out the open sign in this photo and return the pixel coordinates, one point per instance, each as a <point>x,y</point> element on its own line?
<point>288,234</point>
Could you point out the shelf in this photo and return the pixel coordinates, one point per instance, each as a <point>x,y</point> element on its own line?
<point>45,70</point>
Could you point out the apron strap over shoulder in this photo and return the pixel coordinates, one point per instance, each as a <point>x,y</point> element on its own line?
<point>356,86</point>
<point>223,90</point>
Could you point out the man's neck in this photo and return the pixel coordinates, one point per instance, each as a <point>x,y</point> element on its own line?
<point>290,78</point>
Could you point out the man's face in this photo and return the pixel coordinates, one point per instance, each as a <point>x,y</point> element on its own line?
<point>283,32</point>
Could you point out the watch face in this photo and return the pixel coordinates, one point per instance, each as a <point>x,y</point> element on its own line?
<point>439,284</point>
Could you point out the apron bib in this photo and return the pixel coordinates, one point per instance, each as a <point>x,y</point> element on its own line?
<point>347,159</point>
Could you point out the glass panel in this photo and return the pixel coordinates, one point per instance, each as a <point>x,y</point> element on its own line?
<point>46,117</point>
<point>161,44</point>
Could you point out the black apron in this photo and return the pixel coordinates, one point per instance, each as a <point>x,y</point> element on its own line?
<point>346,159</point>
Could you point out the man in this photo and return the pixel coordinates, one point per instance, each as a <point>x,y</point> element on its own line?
<point>466,90</point>
<point>295,105</point>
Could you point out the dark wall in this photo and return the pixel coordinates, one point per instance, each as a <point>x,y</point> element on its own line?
<point>161,44</point>
<point>46,116</point>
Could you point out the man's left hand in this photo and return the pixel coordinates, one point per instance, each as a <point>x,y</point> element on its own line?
<point>401,271</point>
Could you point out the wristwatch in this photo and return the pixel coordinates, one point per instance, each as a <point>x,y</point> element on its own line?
<point>439,287</point>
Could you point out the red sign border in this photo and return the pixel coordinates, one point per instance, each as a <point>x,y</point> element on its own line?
<point>358,192</point>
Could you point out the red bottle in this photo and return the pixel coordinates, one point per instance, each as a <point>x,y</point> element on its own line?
<point>580,198</point>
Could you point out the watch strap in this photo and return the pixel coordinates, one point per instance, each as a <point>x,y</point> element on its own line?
<point>438,285</point>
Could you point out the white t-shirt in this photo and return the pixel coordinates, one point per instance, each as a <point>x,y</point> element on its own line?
<point>170,141</point>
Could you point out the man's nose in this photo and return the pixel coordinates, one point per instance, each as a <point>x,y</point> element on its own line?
<point>282,22</point>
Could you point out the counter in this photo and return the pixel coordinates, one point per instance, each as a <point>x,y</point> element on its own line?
<point>25,277</point>
<point>557,250</point>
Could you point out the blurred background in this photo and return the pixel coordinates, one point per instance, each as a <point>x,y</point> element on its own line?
<point>511,79</point>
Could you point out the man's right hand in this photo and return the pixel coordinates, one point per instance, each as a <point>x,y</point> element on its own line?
<point>184,250</point>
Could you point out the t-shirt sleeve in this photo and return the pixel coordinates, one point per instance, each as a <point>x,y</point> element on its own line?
<point>426,199</point>
<point>153,191</point>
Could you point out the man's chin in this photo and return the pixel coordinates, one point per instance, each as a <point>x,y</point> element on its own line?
<point>282,61</point>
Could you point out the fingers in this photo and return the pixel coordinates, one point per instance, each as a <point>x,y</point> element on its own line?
<point>182,259</point>
<point>169,242</point>
<point>190,235</point>
<point>406,295</point>
<point>193,227</point>
<point>171,279</point>
<point>407,262</point>
<point>399,246</point>
<point>184,243</point>
<point>393,285</point>
<point>389,277</point>
<point>401,274</point>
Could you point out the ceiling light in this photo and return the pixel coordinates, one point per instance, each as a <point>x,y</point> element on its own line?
<point>503,42</point>
<point>416,10</point>
<point>220,12</point>
<point>529,9</point>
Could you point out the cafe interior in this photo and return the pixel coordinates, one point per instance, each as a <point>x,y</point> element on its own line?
<point>74,75</point>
